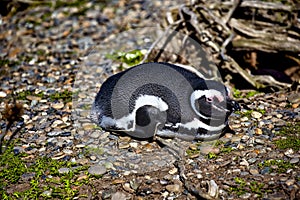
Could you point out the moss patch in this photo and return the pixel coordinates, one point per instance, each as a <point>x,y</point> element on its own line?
<point>279,166</point>
<point>291,137</point>
<point>43,176</point>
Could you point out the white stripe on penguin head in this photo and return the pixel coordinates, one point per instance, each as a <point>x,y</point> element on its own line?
<point>208,94</point>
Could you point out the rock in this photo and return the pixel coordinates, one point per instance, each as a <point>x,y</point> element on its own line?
<point>173,171</point>
<point>253,171</point>
<point>2,94</point>
<point>173,188</point>
<point>63,170</point>
<point>213,189</point>
<point>290,182</point>
<point>258,131</point>
<point>58,105</point>
<point>294,160</point>
<point>133,144</point>
<point>47,193</point>
<point>256,115</point>
<point>97,170</point>
<point>245,196</point>
<point>118,196</point>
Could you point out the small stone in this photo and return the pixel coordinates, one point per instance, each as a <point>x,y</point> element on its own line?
<point>245,138</point>
<point>68,151</point>
<point>289,153</point>
<point>54,133</point>
<point>118,195</point>
<point>163,182</point>
<point>235,126</point>
<point>127,188</point>
<point>58,105</point>
<point>97,170</point>
<point>193,147</point>
<point>294,160</point>
<point>173,171</point>
<point>33,98</point>
<point>256,114</point>
<point>2,94</point>
<point>265,170</point>
<point>243,119</point>
<point>253,171</point>
<point>173,188</point>
<point>245,196</point>
<point>213,189</point>
<point>47,193</point>
<point>80,146</point>
<point>290,182</point>
<point>124,145</point>
<point>133,144</point>
<point>279,116</point>
<point>93,158</point>
<point>252,160</point>
<point>63,170</point>
<point>244,163</point>
<point>95,135</point>
<point>258,131</point>
<point>259,141</point>
<point>235,139</point>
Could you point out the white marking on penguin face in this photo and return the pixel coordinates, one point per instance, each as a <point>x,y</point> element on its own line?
<point>124,123</point>
<point>209,95</point>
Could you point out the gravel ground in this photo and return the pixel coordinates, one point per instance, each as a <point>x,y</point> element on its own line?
<point>52,61</point>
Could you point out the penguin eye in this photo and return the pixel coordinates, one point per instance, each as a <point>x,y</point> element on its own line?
<point>209,99</point>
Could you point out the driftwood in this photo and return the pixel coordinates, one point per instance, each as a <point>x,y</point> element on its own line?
<point>239,36</point>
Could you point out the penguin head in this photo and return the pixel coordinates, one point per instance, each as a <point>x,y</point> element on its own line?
<point>211,101</point>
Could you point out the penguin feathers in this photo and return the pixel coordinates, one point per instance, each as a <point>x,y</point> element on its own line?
<point>165,100</point>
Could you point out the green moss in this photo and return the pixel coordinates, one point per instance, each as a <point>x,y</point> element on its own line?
<point>256,188</point>
<point>226,150</point>
<point>211,155</point>
<point>240,94</point>
<point>247,113</point>
<point>192,152</point>
<point>239,189</point>
<point>8,63</point>
<point>22,95</point>
<point>130,58</point>
<point>242,187</point>
<point>65,96</point>
<point>45,177</point>
<point>291,139</point>
<point>281,165</point>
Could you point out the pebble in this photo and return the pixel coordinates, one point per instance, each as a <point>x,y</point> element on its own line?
<point>175,188</point>
<point>256,114</point>
<point>58,105</point>
<point>253,171</point>
<point>118,196</point>
<point>173,171</point>
<point>290,182</point>
<point>97,170</point>
<point>63,170</point>
<point>245,196</point>
<point>2,94</point>
<point>294,160</point>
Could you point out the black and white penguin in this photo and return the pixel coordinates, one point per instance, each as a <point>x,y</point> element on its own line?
<point>165,100</point>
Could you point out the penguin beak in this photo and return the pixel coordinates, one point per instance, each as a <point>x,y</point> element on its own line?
<point>233,105</point>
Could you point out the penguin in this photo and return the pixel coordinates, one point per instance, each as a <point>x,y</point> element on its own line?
<point>163,99</point>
